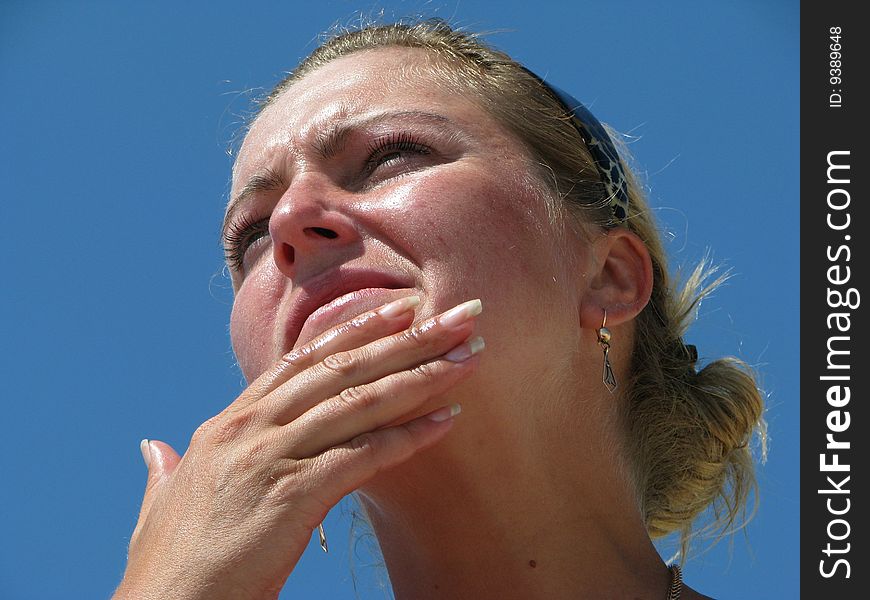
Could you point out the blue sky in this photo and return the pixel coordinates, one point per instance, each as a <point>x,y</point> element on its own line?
<point>116,119</point>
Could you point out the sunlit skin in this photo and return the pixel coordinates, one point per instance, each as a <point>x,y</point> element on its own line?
<point>469,514</point>
<point>527,495</point>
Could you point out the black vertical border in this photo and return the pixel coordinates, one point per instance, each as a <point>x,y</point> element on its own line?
<point>824,129</point>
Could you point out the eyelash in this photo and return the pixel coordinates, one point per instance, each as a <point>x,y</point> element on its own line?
<point>239,237</point>
<point>392,143</point>
<point>244,232</point>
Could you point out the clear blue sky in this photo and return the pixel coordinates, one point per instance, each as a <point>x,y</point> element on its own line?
<point>115,118</point>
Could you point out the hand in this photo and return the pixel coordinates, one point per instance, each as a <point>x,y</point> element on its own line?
<point>232,517</point>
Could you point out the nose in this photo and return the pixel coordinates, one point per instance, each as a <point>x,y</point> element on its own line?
<point>311,229</point>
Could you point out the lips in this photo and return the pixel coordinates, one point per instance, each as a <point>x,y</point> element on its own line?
<point>334,294</point>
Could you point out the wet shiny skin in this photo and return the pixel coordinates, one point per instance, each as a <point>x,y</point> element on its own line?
<point>459,222</point>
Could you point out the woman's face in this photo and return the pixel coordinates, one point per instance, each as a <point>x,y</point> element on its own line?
<point>369,172</point>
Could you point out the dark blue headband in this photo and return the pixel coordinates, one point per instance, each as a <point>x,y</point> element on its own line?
<point>601,148</point>
<point>609,167</point>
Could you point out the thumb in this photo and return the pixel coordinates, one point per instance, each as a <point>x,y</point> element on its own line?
<point>161,461</point>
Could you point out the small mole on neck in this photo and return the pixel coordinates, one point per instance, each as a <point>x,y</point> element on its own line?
<point>533,564</point>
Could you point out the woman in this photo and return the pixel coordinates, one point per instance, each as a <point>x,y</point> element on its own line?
<point>405,194</point>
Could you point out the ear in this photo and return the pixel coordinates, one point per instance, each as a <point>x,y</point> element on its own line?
<point>620,279</point>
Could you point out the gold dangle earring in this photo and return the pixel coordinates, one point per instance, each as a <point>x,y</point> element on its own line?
<point>322,538</point>
<point>604,341</point>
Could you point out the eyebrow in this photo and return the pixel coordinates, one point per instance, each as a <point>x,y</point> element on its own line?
<point>327,144</point>
<point>331,141</point>
<point>267,180</point>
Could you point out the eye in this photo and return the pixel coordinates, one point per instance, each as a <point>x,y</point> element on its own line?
<point>393,150</point>
<point>240,237</point>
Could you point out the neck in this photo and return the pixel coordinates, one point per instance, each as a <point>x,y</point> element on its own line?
<point>521,504</point>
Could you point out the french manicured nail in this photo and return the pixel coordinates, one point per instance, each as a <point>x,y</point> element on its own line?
<point>145,447</point>
<point>447,412</point>
<point>397,307</point>
<point>461,313</point>
<point>466,350</point>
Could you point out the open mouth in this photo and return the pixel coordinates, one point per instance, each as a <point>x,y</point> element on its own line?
<point>339,296</point>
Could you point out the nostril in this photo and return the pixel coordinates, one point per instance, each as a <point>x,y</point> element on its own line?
<point>289,253</point>
<point>327,233</point>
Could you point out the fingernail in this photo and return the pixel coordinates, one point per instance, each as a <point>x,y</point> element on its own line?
<point>466,350</point>
<point>461,313</point>
<point>444,413</point>
<point>145,447</point>
<point>397,307</point>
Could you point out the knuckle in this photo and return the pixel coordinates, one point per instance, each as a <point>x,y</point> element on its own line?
<point>205,429</point>
<point>301,357</point>
<point>230,427</point>
<point>360,323</point>
<point>427,371</point>
<point>247,459</point>
<point>415,336</point>
<point>284,480</point>
<point>342,363</point>
<point>358,398</point>
<point>296,485</point>
<point>365,445</point>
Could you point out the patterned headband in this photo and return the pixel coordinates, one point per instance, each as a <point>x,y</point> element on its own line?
<point>600,147</point>
<point>609,167</point>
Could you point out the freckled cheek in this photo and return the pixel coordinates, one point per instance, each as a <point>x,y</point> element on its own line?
<point>476,236</point>
<point>472,221</point>
<point>439,207</point>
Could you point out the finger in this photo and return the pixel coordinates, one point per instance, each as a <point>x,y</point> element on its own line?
<point>326,478</point>
<point>379,404</point>
<point>385,320</point>
<point>370,362</point>
<point>161,460</point>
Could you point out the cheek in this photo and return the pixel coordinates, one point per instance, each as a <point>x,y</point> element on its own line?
<point>476,224</point>
<point>478,233</point>
<point>252,322</point>
<point>483,234</point>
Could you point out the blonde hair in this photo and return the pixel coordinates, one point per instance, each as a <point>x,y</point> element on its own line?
<point>688,432</point>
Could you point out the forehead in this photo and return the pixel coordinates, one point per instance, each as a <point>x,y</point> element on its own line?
<point>352,88</point>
